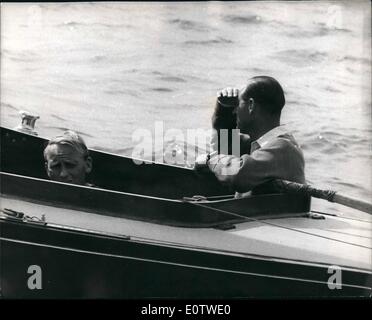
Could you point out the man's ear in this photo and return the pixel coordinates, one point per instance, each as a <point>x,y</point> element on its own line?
<point>88,164</point>
<point>251,105</point>
<point>46,167</point>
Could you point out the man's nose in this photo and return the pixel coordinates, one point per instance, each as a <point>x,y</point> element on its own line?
<point>64,173</point>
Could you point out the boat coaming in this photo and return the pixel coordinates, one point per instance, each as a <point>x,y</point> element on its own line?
<point>113,257</point>
<point>179,212</point>
<point>22,154</point>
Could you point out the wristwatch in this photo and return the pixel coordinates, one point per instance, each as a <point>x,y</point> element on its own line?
<point>209,156</point>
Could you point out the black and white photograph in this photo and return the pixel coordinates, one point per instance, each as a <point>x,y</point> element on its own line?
<point>186,150</point>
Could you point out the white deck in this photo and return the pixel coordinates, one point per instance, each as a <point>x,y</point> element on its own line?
<point>322,245</point>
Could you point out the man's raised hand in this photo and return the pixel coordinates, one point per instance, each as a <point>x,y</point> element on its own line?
<point>228,97</point>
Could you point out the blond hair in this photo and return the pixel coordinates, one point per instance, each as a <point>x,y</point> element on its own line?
<point>72,139</point>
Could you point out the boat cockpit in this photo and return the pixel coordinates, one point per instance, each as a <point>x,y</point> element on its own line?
<point>153,192</point>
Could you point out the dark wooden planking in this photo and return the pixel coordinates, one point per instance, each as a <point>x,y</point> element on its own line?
<point>139,207</point>
<point>22,154</point>
<point>78,264</point>
<point>158,180</point>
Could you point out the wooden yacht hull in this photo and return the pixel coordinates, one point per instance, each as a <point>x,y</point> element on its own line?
<point>78,264</point>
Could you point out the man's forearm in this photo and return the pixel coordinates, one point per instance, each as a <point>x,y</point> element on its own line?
<point>223,118</point>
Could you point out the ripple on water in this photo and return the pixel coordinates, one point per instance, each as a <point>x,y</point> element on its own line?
<point>189,25</point>
<point>318,30</point>
<point>9,106</point>
<point>172,79</point>
<point>218,40</point>
<point>240,19</point>
<point>161,89</point>
<point>300,57</point>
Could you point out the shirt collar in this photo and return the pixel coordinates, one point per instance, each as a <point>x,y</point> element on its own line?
<point>268,136</point>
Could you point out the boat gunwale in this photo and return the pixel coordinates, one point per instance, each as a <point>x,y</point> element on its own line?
<point>205,214</point>
<point>202,201</point>
<point>153,242</point>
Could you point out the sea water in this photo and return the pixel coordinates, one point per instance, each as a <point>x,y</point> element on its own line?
<point>109,69</point>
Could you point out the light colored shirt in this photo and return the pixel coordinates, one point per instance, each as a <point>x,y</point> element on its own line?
<point>275,155</point>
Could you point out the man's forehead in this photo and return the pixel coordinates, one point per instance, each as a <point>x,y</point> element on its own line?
<point>56,150</point>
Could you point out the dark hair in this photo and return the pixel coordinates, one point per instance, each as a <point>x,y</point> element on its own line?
<point>267,92</point>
